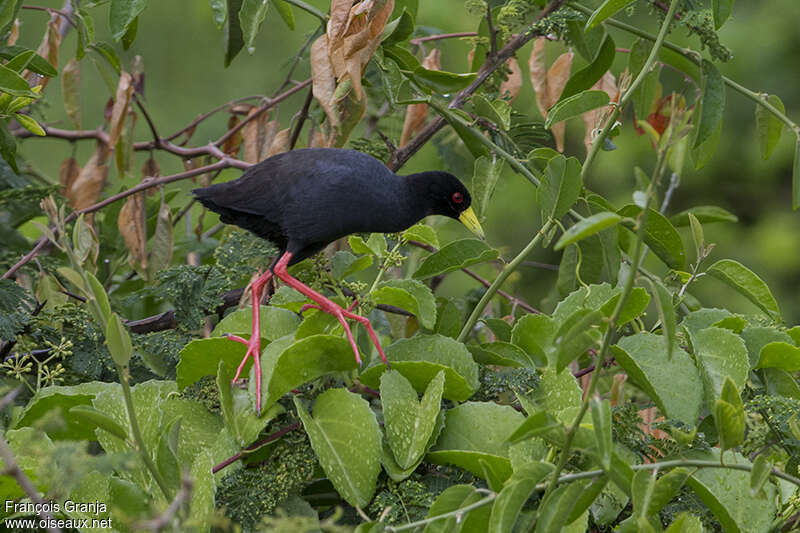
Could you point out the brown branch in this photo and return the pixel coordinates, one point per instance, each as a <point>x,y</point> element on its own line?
<point>439,36</point>
<point>257,445</point>
<point>150,124</point>
<point>491,64</point>
<point>301,119</point>
<point>13,469</point>
<point>200,118</point>
<point>67,16</point>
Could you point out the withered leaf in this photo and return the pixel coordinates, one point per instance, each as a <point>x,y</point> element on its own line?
<point>68,173</point>
<point>119,111</point>
<point>280,144</point>
<point>88,186</point>
<point>270,131</point>
<point>14,34</point>
<point>323,84</point>
<point>253,133</point>
<point>123,152</point>
<point>232,143</point>
<point>131,225</point>
<point>548,84</point>
<point>71,91</point>
<point>48,49</point>
<point>593,119</point>
<point>151,169</point>
<point>513,83</point>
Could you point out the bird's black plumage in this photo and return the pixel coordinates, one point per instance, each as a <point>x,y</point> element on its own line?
<point>304,199</point>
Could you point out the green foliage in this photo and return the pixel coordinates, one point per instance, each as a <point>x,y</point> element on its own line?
<point>193,290</point>
<point>15,308</point>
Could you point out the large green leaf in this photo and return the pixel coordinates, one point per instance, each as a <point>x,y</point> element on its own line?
<point>237,412</point>
<point>453,499</point>
<point>534,334</point>
<point>704,214</point>
<point>506,508</point>
<point>587,227</point>
<point>422,357</point>
<point>721,10</point>
<point>275,323</point>
<point>575,106</point>
<point>484,179</point>
<point>234,39</point>
<point>409,422</point>
<point>590,74</point>
<point>780,355</point>
<point>251,15</point>
<point>607,9</point>
<point>746,283</point>
<point>672,383</point>
<point>408,294</point>
<point>347,439</point>
<point>454,256</point>
<point>726,493</point>
<point>285,365</point>
<point>756,337</point>
<point>122,14</point>
<point>660,235</point>
<point>561,184</point>
<point>201,357</point>
<point>720,353</point>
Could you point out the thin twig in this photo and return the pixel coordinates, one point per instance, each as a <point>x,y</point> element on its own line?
<point>149,120</point>
<point>439,36</point>
<point>13,469</point>
<point>301,119</point>
<point>274,436</point>
<point>183,496</point>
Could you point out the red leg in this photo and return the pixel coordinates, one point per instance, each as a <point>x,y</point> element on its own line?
<point>254,344</point>
<point>328,306</point>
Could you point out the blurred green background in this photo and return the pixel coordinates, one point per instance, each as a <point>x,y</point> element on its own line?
<point>182,51</point>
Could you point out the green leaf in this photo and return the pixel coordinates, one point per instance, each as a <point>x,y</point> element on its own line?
<point>251,15</point>
<point>285,365</point>
<point>635,305</point>
<point>576,335</point>
<point>536,425</point>
<point>455,256</point>
<point>607,9</point>
<point>275,323</point>
<point>721,10</point>
<point>118,341</point>
<point>62,398</point>
<point>219,8</point>
<point>452,499</point>
<point>349,446</point>
<point>122,14</point>
<point>726,493</point>
<point>747,283</point>
<point>712,104</point>
<point>234,39</point>
<point>100,296</point>
<point>685,523</point>
<point>759,475</point>
<point>590,74</point>
<point>756,337</point>
<point>496,111</point>
<point>720,353</point>
<point>501,354</point>
<point>587,498</point>
<point>780,355</point>
<point>239,416</point>
<point>666,315</point>
<point>484,179</point>
<point>422,233</point>
<point>557,507</point>
<point>702,154</point>
<point>399,29</point>
<point>8,146</point>
<point>575,105</point>
<point>586,43</point>
<point>586,227</point>
<point>704,214</point>
<point>795,175</point>
<point>200,358</point>
<point>560,186</point>
<point>109,54</point>
<point>19,62</point>
<point>648,90</point>
<point>285,11</point>
<point>462,124</point>
<point>91,417</point>
<point>768,126</point>
<point>672,383</point>
<point>14,84</point>
<point>535,334</point>
<point>442,82</point>
<point>508,505</point>
<point>422,357</point>
<point>8,11</point>
<point>167,455</point>
<point>409,423</point>
<point>408,294</point>
<point>558,393</point>
<point>130,34</point>
<point>601,422</point>
<point>345,264</point>
<point>660,236</point>
<point>729,416</point>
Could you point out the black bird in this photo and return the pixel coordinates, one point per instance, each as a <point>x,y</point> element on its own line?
<point>305,199</point>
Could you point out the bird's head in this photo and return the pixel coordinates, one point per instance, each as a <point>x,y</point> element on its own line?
<point>447,196</point>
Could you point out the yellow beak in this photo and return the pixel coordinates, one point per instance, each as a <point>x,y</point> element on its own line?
<point>469,219</point>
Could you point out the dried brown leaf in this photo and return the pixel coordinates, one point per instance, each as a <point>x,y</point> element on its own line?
<point>123,152</point>
<point>71,91</point>
<point>548,84</point>
<point>280,144</point>
<point>131,225</point>
<point>48,49</point>
<point>593,119</point>
<point>557,77</point>
<point>513,83</point>
<point>253,133</point>
<point>323,84</point>
<point>417,113</point>
<point>68,173</point>
<point>163,241</point>
<point>86,188</point>
<point>120,109</point>
<point>538,74</point>
<point>232,143</point>
<point>339,18</point>
<point>317,139</point>
<point>150,170</point>
<point>270,130</point>
<point>14,34</point>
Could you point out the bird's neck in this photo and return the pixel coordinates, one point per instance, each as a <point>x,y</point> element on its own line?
<point>418,195</point>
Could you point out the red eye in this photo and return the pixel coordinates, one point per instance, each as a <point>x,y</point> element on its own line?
<point>457,197</point>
